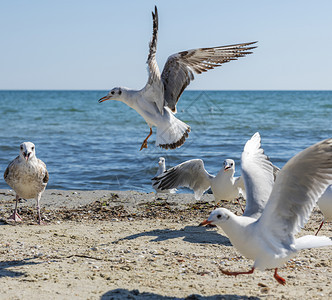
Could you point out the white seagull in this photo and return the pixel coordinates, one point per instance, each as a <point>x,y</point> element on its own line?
<point>193,175</point>
<point>27,176</point>
<point>270,239</point>
<point>156,102</point>
<point>325,205</point>
<point>161,169</point>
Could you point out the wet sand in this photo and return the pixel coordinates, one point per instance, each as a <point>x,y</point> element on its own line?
<point>130,245</point>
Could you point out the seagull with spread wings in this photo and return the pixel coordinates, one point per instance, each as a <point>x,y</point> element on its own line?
<point>156,102</point>
<point>192,174</point>
<point>275,212</point>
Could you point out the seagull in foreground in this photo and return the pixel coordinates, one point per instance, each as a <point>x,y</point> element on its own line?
<point>156,102</point>
<point>161,169</point>
<point>193,175</point>
<point>325,205</point>
<point>27,176</point>
<point>265,233</point>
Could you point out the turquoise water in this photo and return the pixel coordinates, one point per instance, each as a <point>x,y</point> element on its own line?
<point>87,145</point>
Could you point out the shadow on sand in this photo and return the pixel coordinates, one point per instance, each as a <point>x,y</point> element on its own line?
<point>191,234</point>
<point>4,265</point>
<point>119,294</point>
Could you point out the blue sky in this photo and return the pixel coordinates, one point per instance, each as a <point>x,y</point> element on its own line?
<point>77,44</point>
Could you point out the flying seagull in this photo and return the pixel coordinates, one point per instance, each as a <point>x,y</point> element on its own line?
<point>192,174</point>
<point>27,176</point>
<point>325,205</point>
<point>156,102</point>
<point>161,169</point>
<point>266,232</point>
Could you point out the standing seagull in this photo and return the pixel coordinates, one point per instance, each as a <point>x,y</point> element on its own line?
<point>156,102</point>
<point>193,175</point>
<point>27,176</point>
<point>325,205</point>
<point>161,169</point>
<point>270,239</point>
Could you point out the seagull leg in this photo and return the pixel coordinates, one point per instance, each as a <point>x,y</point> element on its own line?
<point>238,201</point>
<point>38,209</point>
<point>279,278</point>
<point>320,227</point>
<point>236,273</point>
<point>15,216</point>
<point>145,142</point>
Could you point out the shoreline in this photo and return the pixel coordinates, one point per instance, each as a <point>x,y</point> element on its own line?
<point>130,245</point>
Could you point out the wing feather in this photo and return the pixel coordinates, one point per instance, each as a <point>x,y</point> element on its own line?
<point>154,90</point>
<point>180,67</point>
<point>257,172</point>
<point>298,186</point>
<point>191,174</point>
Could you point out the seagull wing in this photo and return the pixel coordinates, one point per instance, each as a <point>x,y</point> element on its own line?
<point>44,171</point>
<point>180,67</point>
<point>10,166</point>
<point>154,88</point>
<point>298,186</point>
<point>257,172</point>
<point>191,174</point>
<point>239,184</point>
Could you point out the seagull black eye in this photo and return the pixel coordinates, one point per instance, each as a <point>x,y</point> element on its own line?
<point>33,148</point>
<point>120,92</point>
<point>21,147</point>
<point>219,216</point>
<point>112,92</point>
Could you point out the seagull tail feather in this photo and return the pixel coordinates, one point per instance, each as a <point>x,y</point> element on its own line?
<point>172,134</point>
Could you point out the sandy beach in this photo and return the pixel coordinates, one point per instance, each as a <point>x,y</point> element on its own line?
<point>129,245</point>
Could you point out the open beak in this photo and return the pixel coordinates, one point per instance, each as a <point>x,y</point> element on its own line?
<point>227,168</point>
<point>103,99</point>
<point>205,222</point>
<point>26,155</point>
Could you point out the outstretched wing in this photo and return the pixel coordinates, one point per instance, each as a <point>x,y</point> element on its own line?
<point>180,67</point>
<point>191,174</point>
<point>257,172</point>
<point>298,186</point>
<point>239,184</point>
<point>154,85</point>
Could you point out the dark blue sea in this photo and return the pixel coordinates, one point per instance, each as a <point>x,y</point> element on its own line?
<point>87,145</point>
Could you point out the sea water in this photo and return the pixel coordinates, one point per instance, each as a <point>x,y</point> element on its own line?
<point>89,145</point>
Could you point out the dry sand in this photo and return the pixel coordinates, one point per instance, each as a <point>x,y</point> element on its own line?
<point>130,245</point>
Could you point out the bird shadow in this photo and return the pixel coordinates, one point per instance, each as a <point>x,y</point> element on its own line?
<point>191,234</point>
<point>119,294</point>
<point>4,265</point>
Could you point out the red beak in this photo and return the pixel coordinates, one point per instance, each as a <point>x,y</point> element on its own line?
<point>103,99</point>
<point>205,222</point>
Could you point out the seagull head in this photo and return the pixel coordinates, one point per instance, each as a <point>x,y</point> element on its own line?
<point>217,217</point>
<point>113,94</point>
<point>161,161</point>
<point>229,165</point>
<point>27,150</point>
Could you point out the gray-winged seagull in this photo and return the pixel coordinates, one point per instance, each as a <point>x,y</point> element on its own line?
<point>270,239</point>
<point>156,102</point>
<point>161,169</point>
<point>27,176</point>
<point>192,174</point>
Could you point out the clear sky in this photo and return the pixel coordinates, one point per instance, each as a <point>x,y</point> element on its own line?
<point>79,44</point>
